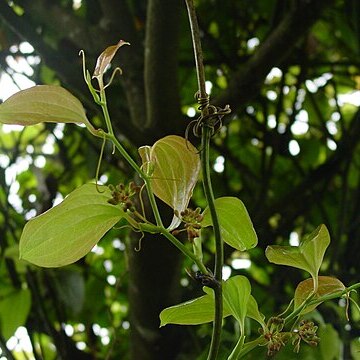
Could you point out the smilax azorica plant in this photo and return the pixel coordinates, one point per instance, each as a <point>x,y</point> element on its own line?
<point>170,170</point>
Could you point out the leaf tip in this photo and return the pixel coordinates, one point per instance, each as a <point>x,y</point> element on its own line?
<point>123,42</point>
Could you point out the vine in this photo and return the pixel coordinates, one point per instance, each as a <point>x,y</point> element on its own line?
<point>80,221</point>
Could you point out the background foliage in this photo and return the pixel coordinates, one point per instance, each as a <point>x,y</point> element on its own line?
<point>289,150</point>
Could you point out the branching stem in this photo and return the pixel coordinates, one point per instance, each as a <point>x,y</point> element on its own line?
<point>142,174</point>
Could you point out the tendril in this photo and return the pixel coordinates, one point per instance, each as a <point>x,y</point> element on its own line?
<point>138,248</point>
<point>117,70</point>
<point>211,116</point>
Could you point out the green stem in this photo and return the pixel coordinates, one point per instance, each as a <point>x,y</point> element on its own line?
<point>195,34</point>
<point>205,141</point>
<point>251,345</point>
<point>153,229</point>
<point>235,354</point>
<point>103,104</point>
<point>205,164</point>
<point>106,112</point>
<point>319,300</point>
<point>141,173</point>
<point>219,248</point>
<point>298,311</point>
<point>184,250</point>
<point>110,136</point>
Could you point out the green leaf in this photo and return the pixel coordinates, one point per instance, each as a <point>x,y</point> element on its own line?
<point>307,256</point>
<point>236,299</point>
<point>236,295</point>
<point>42,103</point>
<point>174,166</point>
<point>355,349</point>
<point>327,285</point>
<point>253,311</point>
<point>192,312</point>
<point>69,286</point>
<point>14,310</point>
<point>235,224</point>
<point>68,231</point>
<point>105,58</point>
<point>330,344</point>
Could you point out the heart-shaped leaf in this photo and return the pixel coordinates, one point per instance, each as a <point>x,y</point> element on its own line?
<point>307,256</point>
<point>327,285</point>
<point>105,58</point>
<point>68,231</point>
<point>235,224</point>
<point>174,166</point>
<point>42,103</point>
<point>237,302</point>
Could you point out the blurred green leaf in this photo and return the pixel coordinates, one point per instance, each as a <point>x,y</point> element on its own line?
<point>70,287</point>
<point>355,349</point>
<point>330,344</point>
<point>14,310</point>
<point>68,231</point>
<point>235,224</point>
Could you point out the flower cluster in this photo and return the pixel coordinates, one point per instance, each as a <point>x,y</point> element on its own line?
<point>192,220</point>
<point>276,338</point>
<point>307,333</point>
<point>122,194</point>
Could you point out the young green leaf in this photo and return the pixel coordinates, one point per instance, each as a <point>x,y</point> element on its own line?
<point>235,224</point>
<point>254,313</point>
<point>105,58</point>
<point>240,298</point>
<point>42,103</point>
<point>307,256</point>
<point>14,310</point>
<point>237,302</point>
<point>236,295</point>
<point>327,286</point>
<point>174,166</point>
<point>192,312</point>
<point>68,231</point>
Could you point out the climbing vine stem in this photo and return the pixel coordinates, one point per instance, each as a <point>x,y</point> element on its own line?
<point>219,248</point>
<point>206,130</point>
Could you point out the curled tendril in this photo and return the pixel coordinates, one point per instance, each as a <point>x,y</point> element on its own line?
<point>138,248</point>
<point>211,116</point>
<point>116,70</point>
